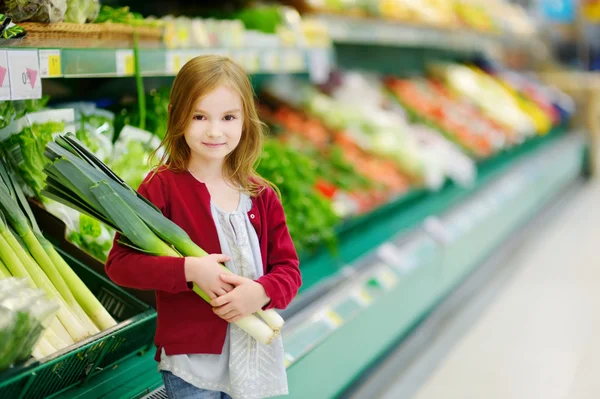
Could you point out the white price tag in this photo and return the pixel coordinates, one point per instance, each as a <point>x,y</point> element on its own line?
<point>175,61</point>
<point>390,254</point>
<point>319,66</point>
<point>125,63</point>
<point>288,359</point>
<point>24,71</point>
<point>272,61</point>
<point>252,62</point>
<point>50,64</point>
<point>436,230</point>
<point>4,78</point>
<point>363,297</point>
<point>387,279</point>
<point>332,318</point>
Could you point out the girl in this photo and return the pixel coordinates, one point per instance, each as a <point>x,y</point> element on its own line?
<point>207,184</point>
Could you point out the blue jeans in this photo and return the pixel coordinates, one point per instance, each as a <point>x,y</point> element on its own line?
<point>179,389</point>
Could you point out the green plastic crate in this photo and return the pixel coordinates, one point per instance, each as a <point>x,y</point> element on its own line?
<point>74,365</point>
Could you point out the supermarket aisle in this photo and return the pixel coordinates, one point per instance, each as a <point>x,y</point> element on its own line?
<point>539,337</point>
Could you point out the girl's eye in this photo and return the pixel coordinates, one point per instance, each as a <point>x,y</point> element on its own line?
<point>199,117</point>
<point>229,117</point>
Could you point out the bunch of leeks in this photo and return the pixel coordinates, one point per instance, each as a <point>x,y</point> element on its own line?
<point>26,254</point>
<point>76,178</point>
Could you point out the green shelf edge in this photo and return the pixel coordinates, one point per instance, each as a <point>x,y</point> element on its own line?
<point>386,321</point>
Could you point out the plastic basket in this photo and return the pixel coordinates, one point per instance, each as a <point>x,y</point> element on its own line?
<point>74,365</point>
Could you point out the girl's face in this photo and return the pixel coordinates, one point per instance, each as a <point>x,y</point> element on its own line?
<point>216,126</point>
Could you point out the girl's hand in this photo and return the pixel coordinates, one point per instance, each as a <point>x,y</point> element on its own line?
<point>247,297</point>
<point>206,272</point>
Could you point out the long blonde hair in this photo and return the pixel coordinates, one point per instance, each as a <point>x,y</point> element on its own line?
<point>197,78</point>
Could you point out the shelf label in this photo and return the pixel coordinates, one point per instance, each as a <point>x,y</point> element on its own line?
<point>175,60</point>
<point>332,318</point>
<point>387,278</point>
<point>363,297</point>
<point>252,63</point>
<point>50,64</point>
<point>125,63</point>
<point>288,360</point>
<point>4,78</point>
<point>319,66</point>
<point>272,61</point>
<point>436,229</point>
<point>24,72</point>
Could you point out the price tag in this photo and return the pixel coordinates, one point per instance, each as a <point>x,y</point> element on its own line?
<point>288,359</point>
<point>4,78</point>
<point>319,66</point>
<point>175,61</point>
<point>24,72</point>
<point>125,63</point>
<point>272,61</point>
<point>390,254</point>
<point>332,318</point>
<point>252,64</point>
<point>363,297</point>
<point>387,278</point>
<point>50,64</point>
<point>293,61</point>
<point>436,230</point>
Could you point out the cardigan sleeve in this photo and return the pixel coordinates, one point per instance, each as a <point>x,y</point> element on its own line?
<point>133,269</point>
<point>282,280</point>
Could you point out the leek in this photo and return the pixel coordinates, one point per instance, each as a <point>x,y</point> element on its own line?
<point>79,180</point>
<point>36,278</point>
<point>4,273</point>
<point>139,234</point>
<point>74,291</point>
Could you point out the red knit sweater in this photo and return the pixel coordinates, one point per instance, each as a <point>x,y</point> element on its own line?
<point>187,324</point>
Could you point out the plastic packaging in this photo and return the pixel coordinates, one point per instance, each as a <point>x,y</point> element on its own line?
<point>44,11</point>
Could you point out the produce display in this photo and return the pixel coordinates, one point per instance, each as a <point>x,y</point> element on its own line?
<point>25,314</point>
<point>26,254</point>
<point>491,16</point>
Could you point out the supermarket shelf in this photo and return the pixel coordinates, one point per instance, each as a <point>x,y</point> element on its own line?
<point>98,62</point>
<point>352,30</point>
<point>409,274</point>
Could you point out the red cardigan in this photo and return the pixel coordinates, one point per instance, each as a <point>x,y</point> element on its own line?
<point>187,324</point>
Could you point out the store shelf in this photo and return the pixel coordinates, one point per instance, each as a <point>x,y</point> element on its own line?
<point>352,30</point>
<point>408,275</point>
<point>98,62</point>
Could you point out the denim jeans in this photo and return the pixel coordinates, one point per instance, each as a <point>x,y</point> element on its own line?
<point>179,389</point>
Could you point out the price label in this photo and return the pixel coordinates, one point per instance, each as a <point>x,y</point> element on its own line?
<point>390,254</point>
<point>252,63</point>
<point>175,61</point>
<point>272,61</point>
<point>332,318</point>
<point>4,78</point>
<point>50,64</point>
<point>24,72</point>
<point>387,278</point>
<point>437,230</point>
<point>125,63</point>
<point>288,360</point>
<point>319,66</point>
<point>363,297</point>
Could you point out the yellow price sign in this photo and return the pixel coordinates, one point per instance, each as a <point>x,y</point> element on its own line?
<point>54,65</point>
<point>333,318</point>
<point>125,63</point>
<point>50,63</point>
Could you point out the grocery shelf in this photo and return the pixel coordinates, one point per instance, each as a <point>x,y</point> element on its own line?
<point>353,30</point>
<point>407,275</point>
<point>99,62</point>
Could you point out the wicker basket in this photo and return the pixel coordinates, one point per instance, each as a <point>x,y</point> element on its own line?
<point>89,35</point>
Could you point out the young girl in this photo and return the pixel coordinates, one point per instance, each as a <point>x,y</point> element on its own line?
<point>207,184</point>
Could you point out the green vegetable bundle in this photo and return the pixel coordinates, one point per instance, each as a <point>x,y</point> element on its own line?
<point>310,216</point>
<point>25,314</point>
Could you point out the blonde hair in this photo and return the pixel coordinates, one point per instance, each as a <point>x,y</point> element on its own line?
<point>197,78</point>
